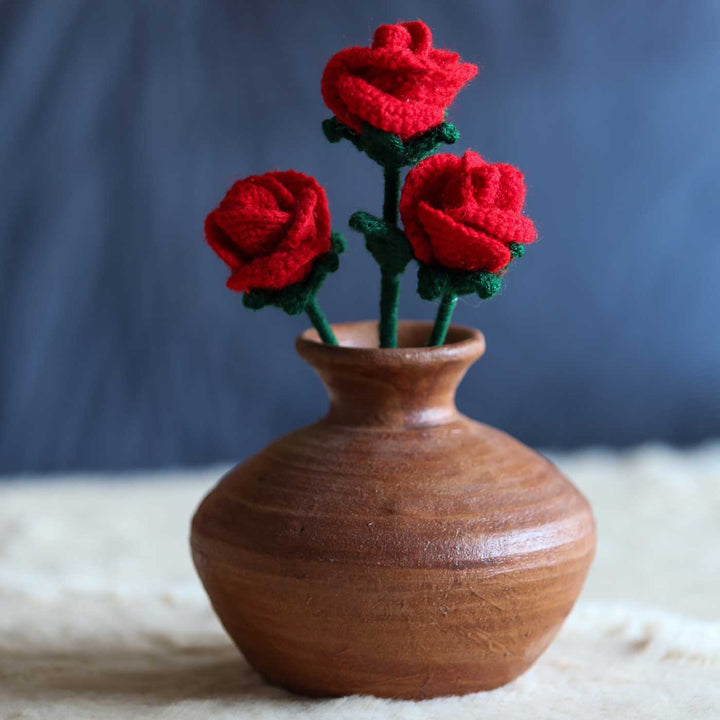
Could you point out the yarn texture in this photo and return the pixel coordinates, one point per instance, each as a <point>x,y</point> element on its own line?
<point>401,84</point>
<point>296,298</point>
<point>388,149</point>
<point>463,213</point>
<point>385,242</point>
<point>462,216</point>
<point>269,229</point>
<point>442,320</point>
<point>437,282</point>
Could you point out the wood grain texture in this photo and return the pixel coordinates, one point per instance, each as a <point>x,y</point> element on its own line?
<point>395,547</point>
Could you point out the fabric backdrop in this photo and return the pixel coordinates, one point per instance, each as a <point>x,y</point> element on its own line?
<point>122,124</point>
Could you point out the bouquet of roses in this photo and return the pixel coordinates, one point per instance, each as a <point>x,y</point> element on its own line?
<point>462,218</point>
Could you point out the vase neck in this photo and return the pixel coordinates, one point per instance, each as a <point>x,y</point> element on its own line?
<point>410,386</point>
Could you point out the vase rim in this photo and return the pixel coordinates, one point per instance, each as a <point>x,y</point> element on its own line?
<point>358,344</point>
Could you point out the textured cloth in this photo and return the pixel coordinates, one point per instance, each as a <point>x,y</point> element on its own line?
<point>101,615</point>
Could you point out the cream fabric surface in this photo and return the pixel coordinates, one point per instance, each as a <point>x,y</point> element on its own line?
<point>101,615</point>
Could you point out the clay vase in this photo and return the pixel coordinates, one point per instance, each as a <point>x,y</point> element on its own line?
<point>395,547</point>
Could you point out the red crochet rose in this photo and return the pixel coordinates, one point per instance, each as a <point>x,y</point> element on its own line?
<point>269,228</point>
<point>462,213</point>
<point>400,85</point>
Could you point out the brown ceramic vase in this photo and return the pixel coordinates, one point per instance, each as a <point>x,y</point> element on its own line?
<point>395,547</point>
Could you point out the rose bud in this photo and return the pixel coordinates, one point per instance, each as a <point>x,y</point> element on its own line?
<point>400,85</point>
<point>463,213</point>
<point>269,229</point>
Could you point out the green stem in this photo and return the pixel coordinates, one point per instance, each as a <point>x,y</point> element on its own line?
<point>390,288</point>
<point>320,323</point>
<point>392,194</point>
<point>389,295</point>
<point>442,320</point>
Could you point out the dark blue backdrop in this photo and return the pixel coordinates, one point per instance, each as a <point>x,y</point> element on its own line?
<point>122,123</point>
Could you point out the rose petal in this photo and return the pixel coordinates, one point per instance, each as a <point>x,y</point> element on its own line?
<point>386,112</point>
<point>421,36</point>
<point>459,246</point>
<point>249,217</point>
<point>312,214</point>
<point>511,195</point>
<point>507,226</point>
<point>223,247</point>
<point>272,272</point>
<point>392,37</point>
<point>425,182</point>
<point>283,197</point>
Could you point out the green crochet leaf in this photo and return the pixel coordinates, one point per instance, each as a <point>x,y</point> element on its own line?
<point>435,282</point>
<point>387,149</point>
<point>385,242</point>
<point>294,298</point>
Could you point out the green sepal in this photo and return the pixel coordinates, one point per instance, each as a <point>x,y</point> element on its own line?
<point>388,149</point>
<point>516,250</point>
<point>385,242</point>
<point>435,282</point>
<point>294,298</point>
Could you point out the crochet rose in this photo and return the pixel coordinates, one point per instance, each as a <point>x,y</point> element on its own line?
<point>269,229</point>
<point>463,213</point>
<point>400,85</point>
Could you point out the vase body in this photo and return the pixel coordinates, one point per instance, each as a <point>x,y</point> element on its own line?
<point>395,547</point>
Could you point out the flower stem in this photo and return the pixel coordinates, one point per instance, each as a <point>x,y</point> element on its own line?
<point>442,320</point>
<point>320,323</point>
<point>389,294</point>
<point>390,288</point>
<point>392,194</point>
